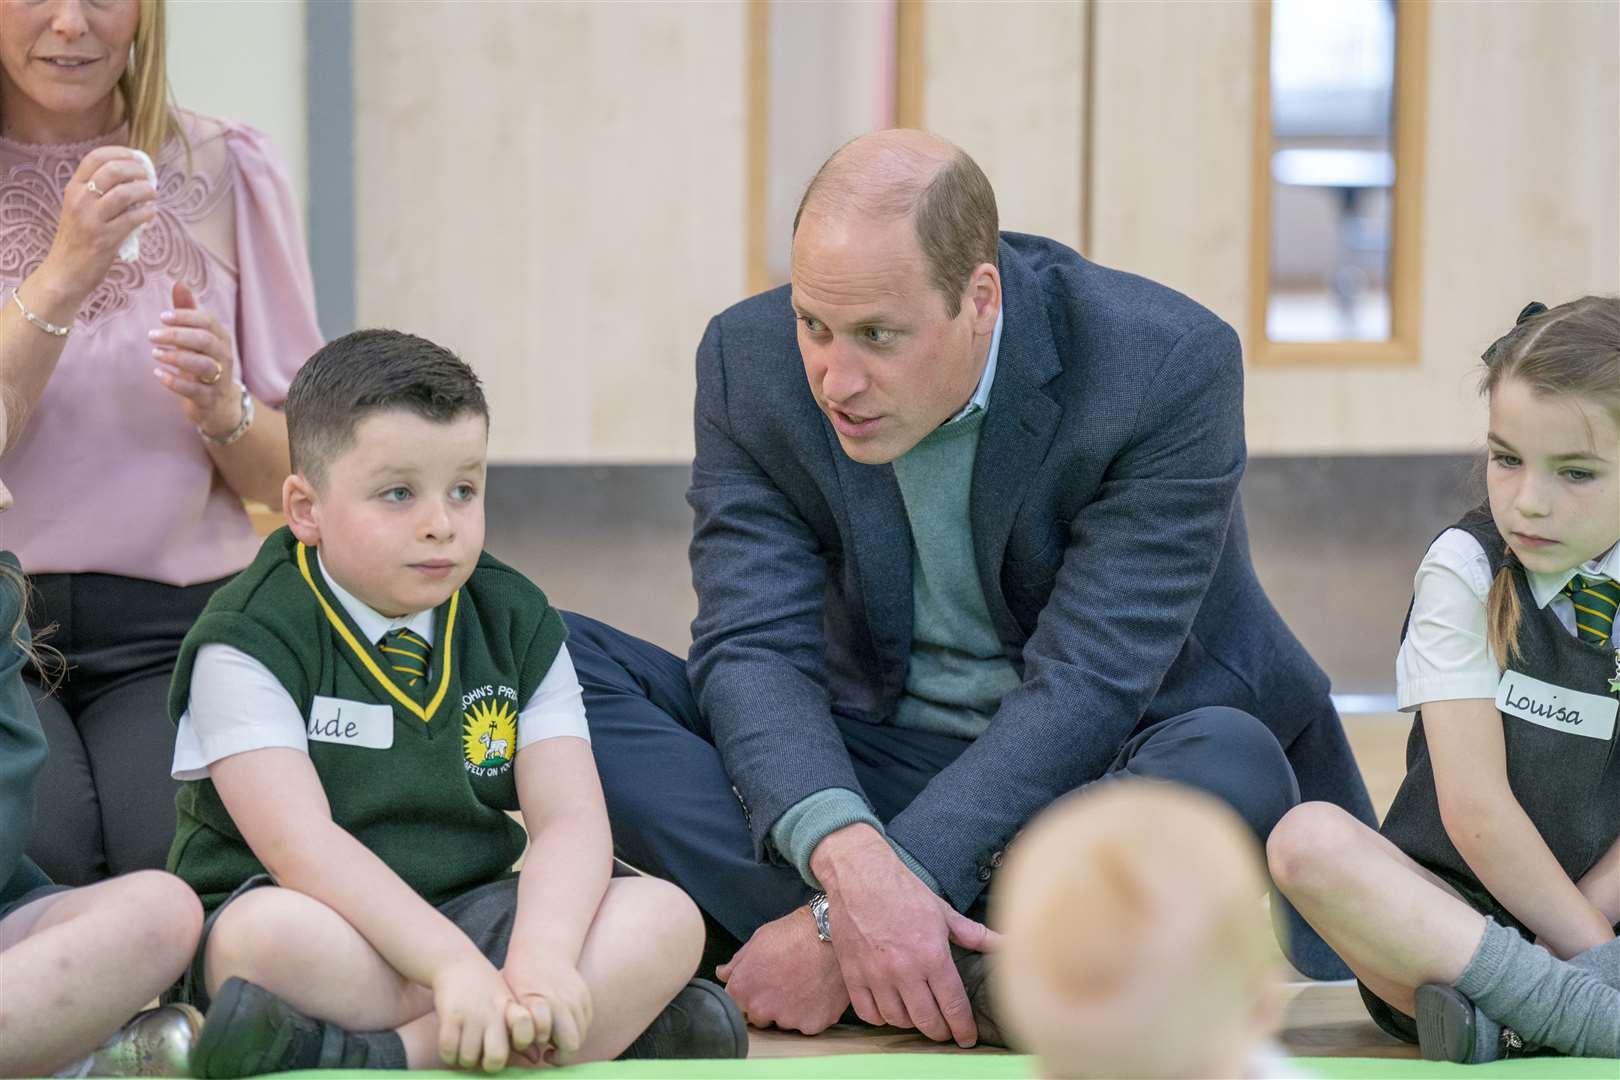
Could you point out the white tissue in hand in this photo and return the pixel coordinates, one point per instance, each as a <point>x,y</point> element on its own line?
<point>130,249</point>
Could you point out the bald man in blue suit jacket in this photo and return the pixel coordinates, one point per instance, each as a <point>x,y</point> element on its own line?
<point>967,539</point>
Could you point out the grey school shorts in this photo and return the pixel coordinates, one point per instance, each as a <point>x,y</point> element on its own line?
<point>30,896</point>
<point>484,914</point>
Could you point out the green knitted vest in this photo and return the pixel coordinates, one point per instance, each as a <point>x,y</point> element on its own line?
<point>432,804</point>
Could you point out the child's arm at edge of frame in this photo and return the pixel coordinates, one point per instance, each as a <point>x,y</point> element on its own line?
<point>1495,836</point>
<point>570,846</point>
<point>275,798</point>
<point>1601,884</point>
<point>564,878</point>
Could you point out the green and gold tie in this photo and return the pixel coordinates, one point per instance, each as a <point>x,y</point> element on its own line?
<point>408,654</point>
<point>1595,602</point>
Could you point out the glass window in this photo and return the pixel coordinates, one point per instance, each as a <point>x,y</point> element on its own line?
<point>1332,170</point>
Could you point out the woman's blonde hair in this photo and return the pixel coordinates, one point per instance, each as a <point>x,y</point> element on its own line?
<point>1572,350</point>
<point>148,100</point>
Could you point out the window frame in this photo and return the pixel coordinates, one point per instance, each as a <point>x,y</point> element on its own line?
<point>1406,240</point>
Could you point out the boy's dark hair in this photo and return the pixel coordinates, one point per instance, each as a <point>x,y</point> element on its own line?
<point>370,371</point>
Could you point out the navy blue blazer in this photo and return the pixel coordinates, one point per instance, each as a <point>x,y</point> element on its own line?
<point>1109,540</point>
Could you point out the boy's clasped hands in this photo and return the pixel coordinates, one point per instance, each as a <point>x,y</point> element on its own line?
<point>537,1010</point>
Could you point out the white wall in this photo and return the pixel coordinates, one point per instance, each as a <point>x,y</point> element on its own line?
<point>245,60</point>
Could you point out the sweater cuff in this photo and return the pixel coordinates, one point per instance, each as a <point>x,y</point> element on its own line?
<point>812,819</point>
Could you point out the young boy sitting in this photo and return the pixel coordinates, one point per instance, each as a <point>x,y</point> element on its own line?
<point>357,711</point>
<point>1134,939</point>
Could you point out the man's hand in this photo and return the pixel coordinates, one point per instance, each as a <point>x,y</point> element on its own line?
<point>787,976</point>
<point>893,937</point>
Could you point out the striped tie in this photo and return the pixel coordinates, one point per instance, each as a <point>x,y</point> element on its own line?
<point>408,655</point>
<point>1595,601</point>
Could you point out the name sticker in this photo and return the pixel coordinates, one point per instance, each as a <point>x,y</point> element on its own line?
<point>352,723</point>
<point>1557,707</point>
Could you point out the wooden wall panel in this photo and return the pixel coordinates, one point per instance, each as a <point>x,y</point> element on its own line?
<point>1006,82</point>
<point>1521,199</point>
<point>558,192</point>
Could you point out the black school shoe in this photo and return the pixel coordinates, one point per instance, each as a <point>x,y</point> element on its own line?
<point>1451,1028</point>
<point>702,1022</point>
<point>250,1031</point>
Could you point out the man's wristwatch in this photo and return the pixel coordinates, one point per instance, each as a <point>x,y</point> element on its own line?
<point>818,910</point>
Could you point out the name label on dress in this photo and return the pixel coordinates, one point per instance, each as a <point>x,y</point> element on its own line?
<point>352,723</point>
<point>1556,707</point>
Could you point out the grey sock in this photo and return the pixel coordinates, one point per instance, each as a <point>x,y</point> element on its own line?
<point>1602,961</point>
<point>383,1049</point>
<point>1549,1002</point>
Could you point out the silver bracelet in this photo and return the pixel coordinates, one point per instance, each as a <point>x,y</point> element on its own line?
<point>240,429</point>
<point>44,324</point>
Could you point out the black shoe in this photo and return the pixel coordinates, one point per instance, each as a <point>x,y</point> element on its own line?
<point>702,1022</point>
<point>974,968</point>
<point>249,1031</point>
<point>1451,1028</point>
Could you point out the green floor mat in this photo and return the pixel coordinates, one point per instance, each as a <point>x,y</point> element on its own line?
<point>900,1066</point>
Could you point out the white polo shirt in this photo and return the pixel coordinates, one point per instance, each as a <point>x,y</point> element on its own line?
<point>1446,655</point>
<point>236,705</point>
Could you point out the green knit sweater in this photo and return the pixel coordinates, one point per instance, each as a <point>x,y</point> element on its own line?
<point>432,804</point>
<point>959,670</point>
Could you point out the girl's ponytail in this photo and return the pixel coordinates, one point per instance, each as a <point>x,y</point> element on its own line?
<point>1502,613</point>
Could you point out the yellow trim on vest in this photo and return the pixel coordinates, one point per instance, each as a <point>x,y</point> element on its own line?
<point>371,665</point>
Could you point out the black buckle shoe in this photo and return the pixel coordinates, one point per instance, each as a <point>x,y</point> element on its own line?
<point>702,1022</point>
<point>250,1031</point>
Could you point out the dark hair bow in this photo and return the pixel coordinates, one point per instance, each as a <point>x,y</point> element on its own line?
<point>1530,311</point>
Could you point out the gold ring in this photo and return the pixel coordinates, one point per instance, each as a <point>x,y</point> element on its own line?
<point>219,369</point>
<point>91,184</point>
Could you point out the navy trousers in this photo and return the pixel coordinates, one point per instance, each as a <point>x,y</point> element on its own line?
<point>675,814</point>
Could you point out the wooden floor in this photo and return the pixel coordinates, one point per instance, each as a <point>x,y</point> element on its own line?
<point>1322,1019</point>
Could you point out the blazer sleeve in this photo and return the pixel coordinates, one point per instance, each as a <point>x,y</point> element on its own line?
<point>1138,562</point>
<point>757,664</point>
<point>22,750</point>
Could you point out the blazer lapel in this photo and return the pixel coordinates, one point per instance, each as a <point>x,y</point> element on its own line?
<point>1019,423</point>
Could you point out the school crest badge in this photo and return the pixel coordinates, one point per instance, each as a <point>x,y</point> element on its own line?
<point>489,736</point>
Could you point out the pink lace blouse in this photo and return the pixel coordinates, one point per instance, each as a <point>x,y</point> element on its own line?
<point>108,475</point>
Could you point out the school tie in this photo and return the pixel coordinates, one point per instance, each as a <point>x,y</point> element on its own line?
<point>1595,602</point>
<point>408,655</point>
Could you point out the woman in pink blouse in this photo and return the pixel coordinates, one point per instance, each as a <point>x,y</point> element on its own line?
<point>143,388</point>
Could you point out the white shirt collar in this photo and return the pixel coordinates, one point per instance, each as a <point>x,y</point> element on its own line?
<point>372,623</point>
<point>1546,587</point>
<point>981,394</point>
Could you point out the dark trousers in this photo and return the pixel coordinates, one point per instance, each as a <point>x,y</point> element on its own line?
<point>105,802</point>
<point>674,812</point>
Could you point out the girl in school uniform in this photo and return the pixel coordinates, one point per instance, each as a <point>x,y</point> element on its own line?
<point>1505,834</point>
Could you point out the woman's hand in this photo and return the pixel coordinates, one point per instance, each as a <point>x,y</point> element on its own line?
<point>92,226</point>
<point>196,364</point>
